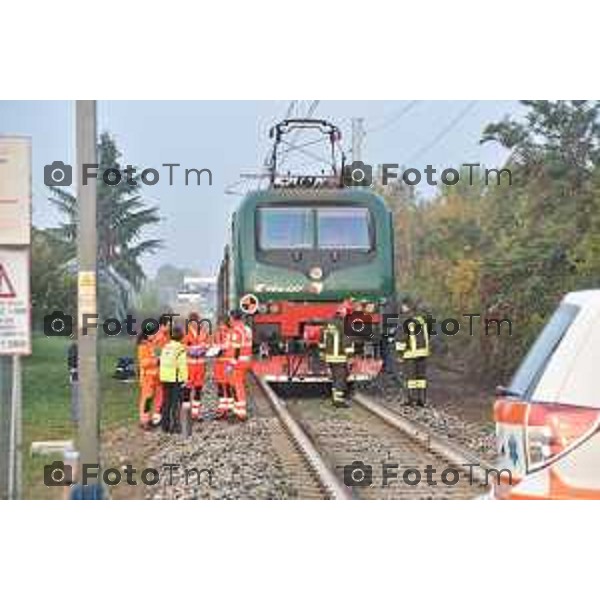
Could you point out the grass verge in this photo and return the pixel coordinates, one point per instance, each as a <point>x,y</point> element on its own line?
<point>47,402</point>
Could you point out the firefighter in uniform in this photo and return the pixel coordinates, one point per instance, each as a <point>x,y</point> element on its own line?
<point>413,351</point>
<point>242,347</point>
<point>196,341</point>
<point>337,355</point>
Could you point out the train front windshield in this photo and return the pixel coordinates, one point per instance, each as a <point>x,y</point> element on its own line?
<point>286,228</point>
<point>345,227</point>
<point>325,228</point>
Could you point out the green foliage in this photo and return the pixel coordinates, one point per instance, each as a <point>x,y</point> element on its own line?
<point>562,136</point>
<point>53,285</point>
<point>510,251</point>
<point>47,402</point>
<point>123,217</point>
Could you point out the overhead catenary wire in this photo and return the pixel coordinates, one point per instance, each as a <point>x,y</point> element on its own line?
<point>387,122</point>
<point>309,113</point>
<point>288,114</point>
<point>302,150</point>
<point>312,108</point>
<point>231,189</point>
<point>292,146</point>
<point>443,133</point>
<point>292,110</point>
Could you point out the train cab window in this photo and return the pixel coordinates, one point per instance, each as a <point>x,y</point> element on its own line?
<point>344,227</point>
<point>285,228</point>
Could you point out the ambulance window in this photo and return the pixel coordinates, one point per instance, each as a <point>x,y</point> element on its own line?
<point>533,366</point>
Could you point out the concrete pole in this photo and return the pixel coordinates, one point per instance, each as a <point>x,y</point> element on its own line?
<point>89,425</point>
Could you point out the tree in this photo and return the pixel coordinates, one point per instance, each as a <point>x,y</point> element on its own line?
<point>53,286</point>
<point>123,216</point>
<point>510,251</point>
<point>561,137</point>
<point>550,224</point>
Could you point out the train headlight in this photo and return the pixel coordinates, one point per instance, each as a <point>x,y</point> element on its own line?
<point>274,308</point>
<point>316,273</point>
<point>370,307</point>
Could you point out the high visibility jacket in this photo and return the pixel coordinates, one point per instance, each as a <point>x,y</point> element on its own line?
<point>159,340</point>
<point>241,340</point>
<point>236,339</point>
<point>417,343</point>
<point>218,336</point>
<point>173,363</point>
<point>196,341</point>
<point>147,361</point>
<point>332,345</point>
<point>226,342</point>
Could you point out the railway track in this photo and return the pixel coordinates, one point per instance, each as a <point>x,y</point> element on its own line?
<point>257,459</point>
<point>311,477</point>
<point>397,459</point>
<point>303,448</point>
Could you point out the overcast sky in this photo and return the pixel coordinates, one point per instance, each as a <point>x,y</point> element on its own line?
<point>232,137</point>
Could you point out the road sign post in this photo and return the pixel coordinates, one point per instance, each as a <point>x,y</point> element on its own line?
<point>15,301</point>
<point>15,320</point>
<point>5,425</point>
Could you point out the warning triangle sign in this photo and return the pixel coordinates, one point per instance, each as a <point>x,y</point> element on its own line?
<point>7,289</point>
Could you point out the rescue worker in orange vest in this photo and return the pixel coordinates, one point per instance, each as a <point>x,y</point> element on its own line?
<point>196,341</point>
<point>159,340</point>
<point>148,374</point>
<point>242,342</point>
<point>223,367</point>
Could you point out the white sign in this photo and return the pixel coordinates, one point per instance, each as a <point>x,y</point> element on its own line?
<point>15,320</point>
<point>15,191</point>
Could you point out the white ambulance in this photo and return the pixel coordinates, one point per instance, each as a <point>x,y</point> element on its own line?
<point>548,418</point>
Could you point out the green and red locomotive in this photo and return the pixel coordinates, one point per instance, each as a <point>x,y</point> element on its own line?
<point>297,251</point>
